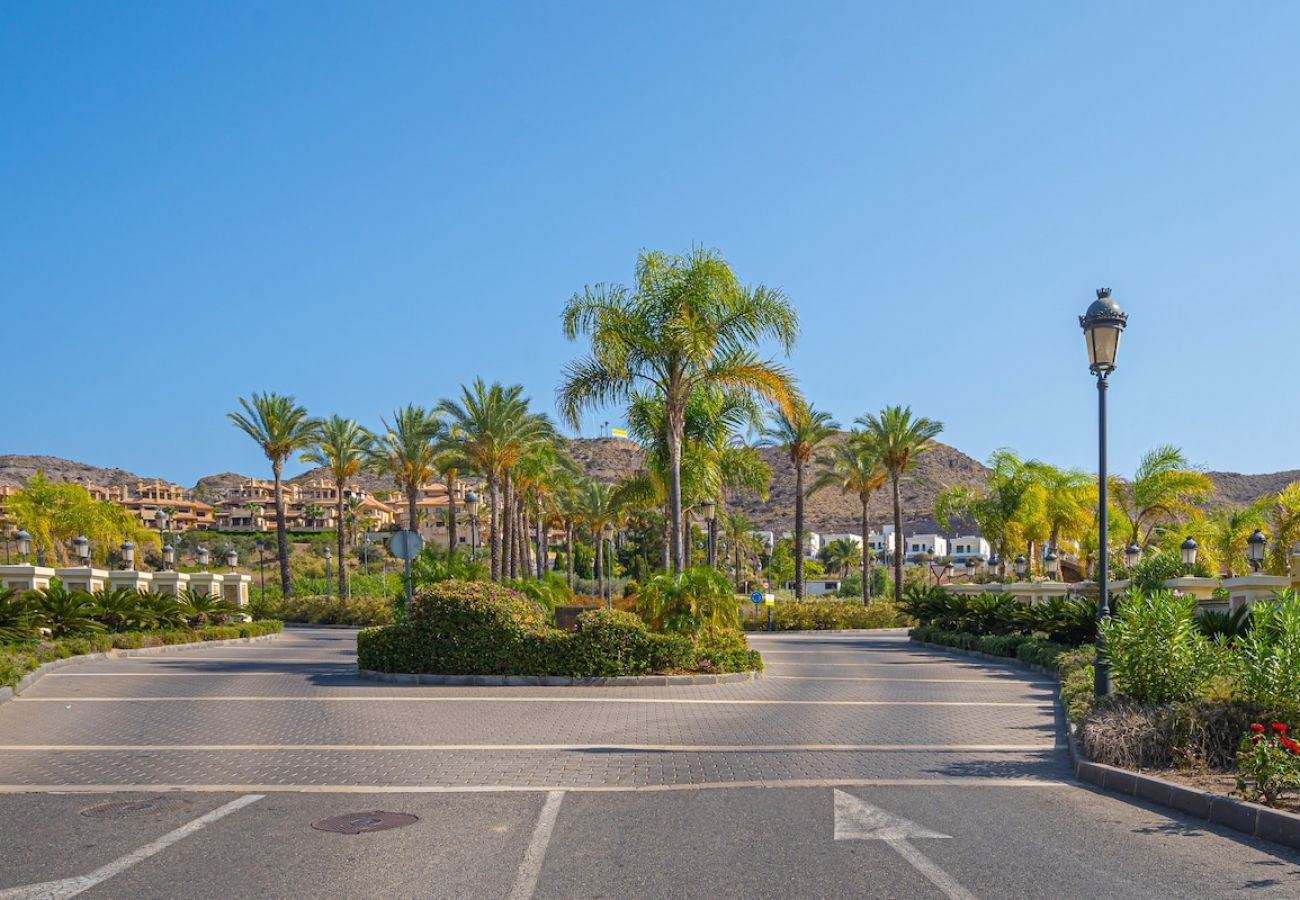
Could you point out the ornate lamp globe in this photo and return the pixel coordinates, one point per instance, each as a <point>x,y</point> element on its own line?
<point>1049,561</point>
<point>1256,544</point>
<point>710,508</point>
<point>81,545</point>
<point>232,558</point>
<point>24,542</point>
<point>160,519</point>
<point>1132,554</point>
<point>471,504</point>
<point>1102,325</point>
<point>128,553</point>
<point>1188,552</point>
<point>1022,564</point>
<point>205,556</point>
<point>169,555</point>
<point>328,554</point>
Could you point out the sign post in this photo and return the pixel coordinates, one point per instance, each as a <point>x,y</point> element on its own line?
<point>405,545</point>
<point>770,601</point>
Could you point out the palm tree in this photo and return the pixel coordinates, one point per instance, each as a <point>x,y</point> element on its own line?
<point>489,430</point>
<point>314,514</point>
<point>1229,528</point>
<point>1066,501</point>
<point>281,427</point>
<point>1285,519</point>
<point>1164,490</point>
<point>597,507</point>
<point>405,452</point>
<point>1001,510</point>
<point>800,432</point>
<point>842,554</point>
<point>854,466</point>
<point>342,446</point>
<point>688,322</point>
<point>900,440</point>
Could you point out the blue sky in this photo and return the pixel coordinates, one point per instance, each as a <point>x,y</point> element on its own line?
<point>366,204</point>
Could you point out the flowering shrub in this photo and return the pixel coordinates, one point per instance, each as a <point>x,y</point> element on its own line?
<point>1268,763</point>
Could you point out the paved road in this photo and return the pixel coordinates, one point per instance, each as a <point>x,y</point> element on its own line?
<point>860,766</point>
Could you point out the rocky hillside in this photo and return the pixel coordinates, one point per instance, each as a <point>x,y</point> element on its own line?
<point>1233,489</point>
<point>16,469</point>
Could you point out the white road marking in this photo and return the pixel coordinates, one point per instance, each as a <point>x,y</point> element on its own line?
<point>535,855</point>
<point>469,698</point>
<point>71,887</point>
<point>986,681</point>
<point>857,820</point>
<point>1029,782</point>
<point>601,748</point>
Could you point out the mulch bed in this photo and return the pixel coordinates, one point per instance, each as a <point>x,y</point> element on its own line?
<point>1214,782</point>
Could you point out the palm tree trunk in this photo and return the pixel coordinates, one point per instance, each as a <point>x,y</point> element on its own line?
<point>866,555</point>
<point>688,541</point>
<point>600,563</point>
<point>798,531</point>
<point>494,532</point>
<point>541,544</point>
<point>508,562</point>
<point>667,548</point>
<point>451,513</point>
<point>676,428</point>
<point>338,527</point>
<point>568,551</point>
<point>898,538</point>
<point>281,534</point>
<point>525,546</point>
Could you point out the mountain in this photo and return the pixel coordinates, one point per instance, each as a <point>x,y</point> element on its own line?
<point>16,469</point>
<point>1232,489</point>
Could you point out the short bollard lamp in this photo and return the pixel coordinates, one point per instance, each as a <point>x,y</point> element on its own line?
<point>232,558</point>
<point>128,555</point>
<point>24,543</point>
<point>81,546</point>
<point>205,556</point>
<point>1049,562</point>
<point>1256,544</point>
<point>1132,555</point>
<point>1022,564</point>
<point>1188,551</point>
<point>169,557</point>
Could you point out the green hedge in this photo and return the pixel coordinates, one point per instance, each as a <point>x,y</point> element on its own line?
<point>319,610</point>
<point>16,660</point>
<point>830,615</point>
<point>473,628</point>
<point>1014,646</point>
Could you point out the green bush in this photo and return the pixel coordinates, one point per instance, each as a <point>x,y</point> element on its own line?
<point>327,610</point>
<point>830,615</point>
<point>1155,651</point>
<point>460,628</point>
<point>696,598</point>
<point>1266,660</point>
<point>16,660</point>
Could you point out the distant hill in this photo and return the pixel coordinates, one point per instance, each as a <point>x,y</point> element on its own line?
<point>16,469</point>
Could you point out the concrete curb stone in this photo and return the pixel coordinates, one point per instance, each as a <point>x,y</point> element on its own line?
<point>7,693</point>
<point>555,680</point>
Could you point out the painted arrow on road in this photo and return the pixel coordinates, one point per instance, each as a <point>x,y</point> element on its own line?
<point>857,820</point>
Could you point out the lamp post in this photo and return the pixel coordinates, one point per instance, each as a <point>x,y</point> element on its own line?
<point>1022,565</point>
<point>1188,552</point>
<point>471,507</point>
<point>1102,326</point>
<point>710,515</point>
<point>81,547</point>
<point>328,557</point>
<point>168,557</point>
<point>995,563</point>
<point>261,567</point>
<point>160,519</point>
<point>232,558</point>
<point>204,556</point>
<point>1049,563</point>
<point>608,534</point>
<point>24,542</point>
<point>128,556</point>
<point>1255,545</point>
<point>365,554</point>
<point>1132,555</point>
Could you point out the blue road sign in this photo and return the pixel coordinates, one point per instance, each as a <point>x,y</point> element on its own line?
<point>756,597</point>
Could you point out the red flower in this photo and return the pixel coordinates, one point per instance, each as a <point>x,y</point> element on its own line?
<point>1255,739</point>
<point>1291,745</point>
<point>1257,728</point>
<point>1279,728</point>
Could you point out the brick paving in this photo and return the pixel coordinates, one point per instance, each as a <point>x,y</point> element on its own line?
<point>301,691</point>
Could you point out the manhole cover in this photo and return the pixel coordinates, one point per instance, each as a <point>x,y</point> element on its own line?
<point>125,809</point>
<point>358,823</point>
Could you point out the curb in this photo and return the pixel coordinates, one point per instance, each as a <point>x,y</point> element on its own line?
<point>556,680</point>
<point>9,693</point>
<point>1012,661</point>
<point>1238,815</point>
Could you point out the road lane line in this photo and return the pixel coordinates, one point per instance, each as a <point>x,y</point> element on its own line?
<point>589,748</point>
<point>936,876</point>
<point>984,681</point>
<point>71,887</point>
<point>535,855</point>
<point>945,782</point>
<point>467,698</point>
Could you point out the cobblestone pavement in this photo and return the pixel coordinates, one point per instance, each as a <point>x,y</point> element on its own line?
<point>292,711</point>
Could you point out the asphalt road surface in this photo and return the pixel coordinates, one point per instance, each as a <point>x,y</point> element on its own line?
<point>860,766</point>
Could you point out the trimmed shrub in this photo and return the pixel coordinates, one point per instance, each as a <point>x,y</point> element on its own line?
<point>328,610</point>
<point>831,615</point>
<point>725,650</point>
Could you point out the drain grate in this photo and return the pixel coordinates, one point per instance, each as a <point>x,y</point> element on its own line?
<point>126,809</point>
<point>364,822</point>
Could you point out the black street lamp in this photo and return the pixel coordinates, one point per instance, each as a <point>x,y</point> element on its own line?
<point>1022,565</point>
<point>328,557</point>
<point>1132,555</point>
<point>1255,546</point>
<point>710,515</point>
<point>81,546</point>
<point>232,558</point>
<point>204,556</point>
<point>1188,552</point>
<point>995,563</point>
<point>1049,563</point>
<point>24,542</point>
<point>608,533</point>
<point>471,507</point>
<point>1102,326</point>
<point>168,556</point>
<point>128,555</point>
<point>261,566</point>
<point>160,519</point>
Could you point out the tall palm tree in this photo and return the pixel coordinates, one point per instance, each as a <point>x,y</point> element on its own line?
<point>281,427</point>
<point>842,554</point>
<point>342,447</point>
<point>1067,501</point>
<point>597,507</point>
<point>901,439</point>
<point>687,322</point>
<point>854,466</point>
<point>1284,516</point>
<point>1164,489</point>
<point>490,428</point>
<point>799,432</point>
<point>405,452</point>
<point>1003,510</point>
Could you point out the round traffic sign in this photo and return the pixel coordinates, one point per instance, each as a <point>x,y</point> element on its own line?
<point>405,544</point>
<point>756,597</point>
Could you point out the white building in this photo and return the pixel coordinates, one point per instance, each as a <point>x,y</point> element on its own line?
<point>968,545</point>
<point>933,544</point>
<point>882,542</point>
<point>817,587</point>
<point>856,539</point>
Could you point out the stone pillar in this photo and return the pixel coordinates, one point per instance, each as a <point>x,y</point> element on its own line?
<point>131,580</point>
<point>207,584</point>
<point>1247,589</point>
<point>26,578</point>
<point>234,588</point>
<point>1201,588</point>
<point>83,578</point>
<point>173,583</point>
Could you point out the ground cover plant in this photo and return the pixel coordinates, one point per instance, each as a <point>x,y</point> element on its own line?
<point>478,628</point>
